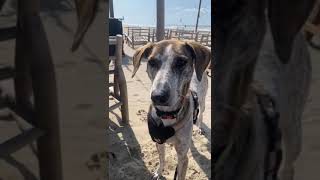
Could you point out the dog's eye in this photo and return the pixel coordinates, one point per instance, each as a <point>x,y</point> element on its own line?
<point>153,63</point>
<point>180,62</point>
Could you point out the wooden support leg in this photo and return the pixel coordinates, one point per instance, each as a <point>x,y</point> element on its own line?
<point>122,81</point>
<point>116,84</point>
<point>44,88</point>
<point>22,79</point>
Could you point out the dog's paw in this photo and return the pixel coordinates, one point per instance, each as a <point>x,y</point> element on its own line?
<point>156,176</point>
<point>201,132</point>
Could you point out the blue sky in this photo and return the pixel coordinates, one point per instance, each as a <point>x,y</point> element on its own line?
<point>177,12</point>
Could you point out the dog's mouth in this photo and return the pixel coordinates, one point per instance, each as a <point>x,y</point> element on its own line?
<point>168,115</point>
<point>166,112</point>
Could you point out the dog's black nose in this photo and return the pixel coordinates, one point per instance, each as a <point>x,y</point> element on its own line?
<point>160,96</point>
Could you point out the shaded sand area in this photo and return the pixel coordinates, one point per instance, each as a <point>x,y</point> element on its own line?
<point>81,83</point>
<point>135,153</point>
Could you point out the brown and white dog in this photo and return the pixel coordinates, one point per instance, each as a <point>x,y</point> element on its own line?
<point>176,68</point>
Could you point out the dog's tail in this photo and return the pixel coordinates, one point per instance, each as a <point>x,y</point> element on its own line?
<point>175,173</point>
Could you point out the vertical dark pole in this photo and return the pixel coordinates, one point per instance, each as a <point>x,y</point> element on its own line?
<point>198,16</point>
<point>44,88</point>
<point>111,8</point>
<point>107,92</point>
<point>160,20</point>
<point>22,79</point>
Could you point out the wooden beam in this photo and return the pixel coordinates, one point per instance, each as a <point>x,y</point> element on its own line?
<point>198,16</point>
<point>121,80</point>
<point>160,20</point>
<point>111,8</point>
<point>115,106</point>
<point>14,144</point>
<point>34,45</point>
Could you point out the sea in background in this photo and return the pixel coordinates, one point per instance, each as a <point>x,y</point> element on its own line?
<point>172,26</point>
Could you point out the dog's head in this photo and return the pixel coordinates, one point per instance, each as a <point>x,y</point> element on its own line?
<point>170,66</point>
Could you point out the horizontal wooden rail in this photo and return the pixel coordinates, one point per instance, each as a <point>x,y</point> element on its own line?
<point>14,144</point>
<point>115,106</point>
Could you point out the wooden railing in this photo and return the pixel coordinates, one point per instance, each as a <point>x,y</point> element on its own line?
<point>119,83</point>
<point>136,36</point>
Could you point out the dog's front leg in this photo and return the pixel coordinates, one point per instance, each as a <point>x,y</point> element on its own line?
<point>181,167</point>
<point>182,151</point>
<point>161,151</point>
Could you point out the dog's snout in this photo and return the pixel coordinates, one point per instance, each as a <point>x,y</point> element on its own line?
<point>160,96</point>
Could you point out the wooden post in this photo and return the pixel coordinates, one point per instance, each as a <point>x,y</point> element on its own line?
<point>108,119</point>
<point>111,8</point>
<point>153,33</point>
<point>160,20</point>
<point>132,39</point>
<point>22,80</point>
<point>121,81</point>
<point>36,47</point>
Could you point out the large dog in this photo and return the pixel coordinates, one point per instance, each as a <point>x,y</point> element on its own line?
<point>176,69</point>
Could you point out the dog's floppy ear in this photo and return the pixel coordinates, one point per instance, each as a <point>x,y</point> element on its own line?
<point>286,19</point>
<point>140,53</point>
<point>201,57</point>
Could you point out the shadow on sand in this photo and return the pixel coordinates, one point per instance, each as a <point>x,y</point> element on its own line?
<point>201,160</point>
<point>129,147</point>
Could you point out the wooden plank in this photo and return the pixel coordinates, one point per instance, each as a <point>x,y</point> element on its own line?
<point>14,144</point>
<point>38,57</point>
<point>121,81</point>
<point>115,106</point>
<point>160,20</point>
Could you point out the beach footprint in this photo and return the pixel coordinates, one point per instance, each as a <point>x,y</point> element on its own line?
<point>97,164</point>
<point>142,115</point>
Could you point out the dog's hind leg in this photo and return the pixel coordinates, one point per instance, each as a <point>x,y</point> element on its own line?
<point>161,151</point>
<point>202,92</point>
<point>200,117</point>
